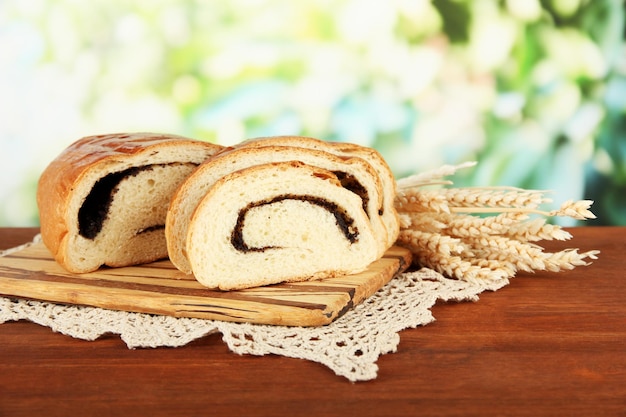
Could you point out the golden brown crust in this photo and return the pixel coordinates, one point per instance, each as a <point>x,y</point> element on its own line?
<point>57,181</point>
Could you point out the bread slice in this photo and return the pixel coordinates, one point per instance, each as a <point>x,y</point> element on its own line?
<point>278,222</point>
<point>355,174</point>
<point>104,199</point>
<point>344,149</point>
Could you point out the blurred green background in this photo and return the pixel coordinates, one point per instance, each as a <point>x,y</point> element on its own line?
<point>535,91</point>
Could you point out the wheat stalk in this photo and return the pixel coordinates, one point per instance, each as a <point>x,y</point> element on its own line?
<point>482,232</point>
<point>465,225</point>
<point>536,230</point>
<point>432,242</point>
<point>493,197</point>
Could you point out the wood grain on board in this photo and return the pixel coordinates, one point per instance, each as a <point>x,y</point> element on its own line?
<point>159,288</point>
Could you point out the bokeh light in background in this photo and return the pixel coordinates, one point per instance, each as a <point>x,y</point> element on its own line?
<point>535,91</point>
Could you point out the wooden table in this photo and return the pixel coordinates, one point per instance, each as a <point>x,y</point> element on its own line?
<point>546,345</point>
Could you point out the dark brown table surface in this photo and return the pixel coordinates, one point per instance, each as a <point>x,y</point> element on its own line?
<point>546,345</point>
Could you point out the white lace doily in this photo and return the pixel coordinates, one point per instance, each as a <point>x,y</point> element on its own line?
<point>350,346</point>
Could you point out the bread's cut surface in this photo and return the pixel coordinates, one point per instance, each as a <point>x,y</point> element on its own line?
<point>278,222</point>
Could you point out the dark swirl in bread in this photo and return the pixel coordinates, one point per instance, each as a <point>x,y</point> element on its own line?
<point>343,220</point>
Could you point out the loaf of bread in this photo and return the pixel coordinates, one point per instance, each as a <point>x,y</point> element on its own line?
<point>355,174</point>
<point>344,149</point>
<point>277,222</point>
<point>104,199</point>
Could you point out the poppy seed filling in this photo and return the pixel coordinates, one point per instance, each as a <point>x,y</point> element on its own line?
<point>95,209</point>
<point>349,182</point>
<point>343,220</point>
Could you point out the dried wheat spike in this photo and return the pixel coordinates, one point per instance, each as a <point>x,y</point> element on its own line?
<point>575,209</point>
<point>568,259</point>
<point>477,198</point>
<point>466,225</point>
<point>417,241</point>
<point>536,230</point>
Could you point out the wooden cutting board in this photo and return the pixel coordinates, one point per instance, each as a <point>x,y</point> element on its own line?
<point>159,288</point>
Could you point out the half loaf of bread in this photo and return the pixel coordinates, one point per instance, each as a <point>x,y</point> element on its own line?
<point>278,222</point>
<point>104,199</point>
<point>354,174</point>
